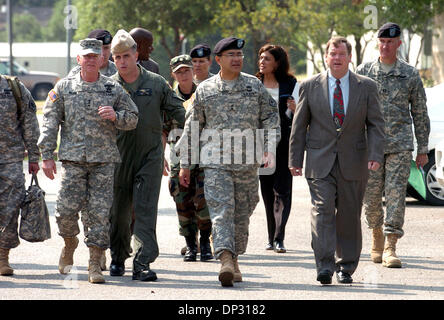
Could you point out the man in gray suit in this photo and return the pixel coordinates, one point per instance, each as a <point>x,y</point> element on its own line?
<point>339,122</point>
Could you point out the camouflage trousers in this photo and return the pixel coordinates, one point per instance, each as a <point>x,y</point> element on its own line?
<point>12,193</point>
<point>391,178</point>
<point>87,187</point>
<point>232,197</point>
<point>190,202</point>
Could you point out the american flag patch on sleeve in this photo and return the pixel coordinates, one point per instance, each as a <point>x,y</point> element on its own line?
<point>52,95</point>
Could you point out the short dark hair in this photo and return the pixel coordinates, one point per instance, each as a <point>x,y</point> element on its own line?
<point>282,72</point>
<point>336,41</point>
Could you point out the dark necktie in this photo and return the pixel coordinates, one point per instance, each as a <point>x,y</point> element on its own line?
<point>338,105</point>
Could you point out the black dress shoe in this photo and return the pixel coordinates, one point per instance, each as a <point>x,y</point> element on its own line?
<point>279,246</point>
<point>324,277</point>
<point>116,269</point>
<point>144,275</point>
<point>344,277</point>
<point>269,246</point>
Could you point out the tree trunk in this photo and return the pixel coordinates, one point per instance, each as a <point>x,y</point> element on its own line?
<point>358,49</point>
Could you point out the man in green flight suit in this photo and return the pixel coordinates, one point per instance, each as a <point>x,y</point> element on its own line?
<point>138,177</point>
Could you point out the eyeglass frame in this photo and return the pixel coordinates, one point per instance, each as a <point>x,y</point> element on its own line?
<point>241,55</point>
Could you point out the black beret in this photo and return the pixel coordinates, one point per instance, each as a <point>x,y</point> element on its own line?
<point>227,44</point>
<point>200,51</point>
<point>389,30</point>
<point>101,34</point>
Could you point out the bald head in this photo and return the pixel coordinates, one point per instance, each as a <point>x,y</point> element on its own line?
<point>144,40</point>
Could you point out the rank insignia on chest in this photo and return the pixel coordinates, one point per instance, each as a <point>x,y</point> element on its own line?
<point>109,89</point>
<point>7,92</point>
<point>52,95</point>
<point>248,92</point>
<point>144,92</point>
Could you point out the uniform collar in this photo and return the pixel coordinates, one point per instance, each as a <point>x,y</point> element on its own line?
<point>396,70</point>
<point>239,84</point>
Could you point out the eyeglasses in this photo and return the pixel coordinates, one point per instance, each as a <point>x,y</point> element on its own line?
<point>233,55</point>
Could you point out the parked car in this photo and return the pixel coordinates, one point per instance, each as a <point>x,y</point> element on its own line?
<point>434,191</point>
<point>439,160</point>
<point>39,83</point>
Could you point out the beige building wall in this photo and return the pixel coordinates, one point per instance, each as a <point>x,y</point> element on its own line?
<point>438,50</point>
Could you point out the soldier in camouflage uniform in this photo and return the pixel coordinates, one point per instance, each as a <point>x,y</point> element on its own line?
<point>201,58</point>
<point>107,68</point>
<point>20,131</point>
<point>190,202</point>
<point>229,103</point>
<point>138,177</point>
<point>89,108</point>
<point>403,99</point>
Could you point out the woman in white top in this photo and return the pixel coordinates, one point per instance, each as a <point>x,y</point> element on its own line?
<point>276,188</point>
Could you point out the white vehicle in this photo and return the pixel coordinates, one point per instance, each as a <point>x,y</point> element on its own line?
<point>39,83</point>
<point>439,160</point>
<point>434,191</point>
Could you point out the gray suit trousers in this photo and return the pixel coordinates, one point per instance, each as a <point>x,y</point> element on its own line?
<point>336,221</point>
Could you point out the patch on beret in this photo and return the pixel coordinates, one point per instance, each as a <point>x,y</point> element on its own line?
<point>228,44</point>
<point>200,51</point>
<point>389,30</point>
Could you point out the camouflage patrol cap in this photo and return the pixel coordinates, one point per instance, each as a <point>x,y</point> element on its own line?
<point>122,42</point>
<point>178,62</point>
<point>389,30</point>
<point>101,34</point>
<point>90,45</point>
<point>200,51</point>
<point>228,44</point>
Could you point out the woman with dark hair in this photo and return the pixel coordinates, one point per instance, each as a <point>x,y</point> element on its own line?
<point>276,189</point>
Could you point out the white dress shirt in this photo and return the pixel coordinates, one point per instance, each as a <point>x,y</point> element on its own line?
<point>345,88</point>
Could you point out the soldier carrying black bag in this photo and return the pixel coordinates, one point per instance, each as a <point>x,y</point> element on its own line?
<point>34,221</point>
<point>20,131</point>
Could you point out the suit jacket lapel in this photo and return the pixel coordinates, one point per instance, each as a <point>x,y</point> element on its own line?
<point>324,101</point>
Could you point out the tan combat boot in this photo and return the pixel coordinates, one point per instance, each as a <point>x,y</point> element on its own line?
<point>66,260</point>
<point>226,273</point>
<point>377,245</point>
<point>389,257</point>
<point>237,274</point>
<point>95,272</point>
<point>5,268</point>
<point>103,261</point>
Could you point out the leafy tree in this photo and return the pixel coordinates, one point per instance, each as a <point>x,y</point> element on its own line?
<point>261,21</point>
<point>167,19</point>
<point>25,28</point>
<point>30,3</point>
<point>56,31</point>
<point>415,16</point>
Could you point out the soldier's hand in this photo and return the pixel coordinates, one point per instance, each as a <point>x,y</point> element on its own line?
<point>184,177</point>
<point>49,168</point>
<point>421,160</point>
<point>373,165</point>
<point>107,113</point>
<point>33,167</point>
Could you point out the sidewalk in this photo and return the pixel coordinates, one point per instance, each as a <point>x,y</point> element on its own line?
<point>267,275</point>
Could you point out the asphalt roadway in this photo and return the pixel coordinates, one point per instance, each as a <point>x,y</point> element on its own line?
<point>266,275</point>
